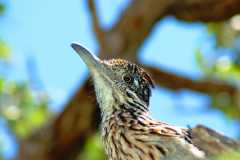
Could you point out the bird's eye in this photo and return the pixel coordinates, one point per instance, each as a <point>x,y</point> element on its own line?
<point>127,78</point>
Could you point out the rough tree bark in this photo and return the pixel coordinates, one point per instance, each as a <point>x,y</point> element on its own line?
<point>66,135</point>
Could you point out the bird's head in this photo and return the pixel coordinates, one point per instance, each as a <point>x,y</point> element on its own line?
<point>116,79</point>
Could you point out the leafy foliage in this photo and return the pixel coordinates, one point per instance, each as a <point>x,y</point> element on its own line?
<point>4,51</point>
<point>223,63</point>
<point>20,108</point>
<point>93,149</point>
<point>229,156</point>
<point>2,8</point>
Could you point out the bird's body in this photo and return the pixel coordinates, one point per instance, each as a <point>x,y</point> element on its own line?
<point>130,134</point>
<point>128,138</point>
<point>123,90</point>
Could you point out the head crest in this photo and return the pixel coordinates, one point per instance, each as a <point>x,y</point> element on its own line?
<point>149,79</point>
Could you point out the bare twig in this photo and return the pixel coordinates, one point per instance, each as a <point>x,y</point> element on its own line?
<point>99,32</point>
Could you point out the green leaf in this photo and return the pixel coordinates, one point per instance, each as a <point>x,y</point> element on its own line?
<point>234,155</point>
<point>2,8</point>
<point>225,103</point>
<point>214,28</point>
<point>201,62</point>
<point>93,149</point>
<point>2,82</point>
<point>199,57</point>
<point>4,51</point>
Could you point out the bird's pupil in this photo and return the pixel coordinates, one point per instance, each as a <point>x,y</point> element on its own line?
<point>127,78</point>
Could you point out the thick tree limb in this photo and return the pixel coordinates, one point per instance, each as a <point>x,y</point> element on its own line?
<point>63,138</point>
<point>204,10</point>
<point>176,82</point>
<point>213,143</point>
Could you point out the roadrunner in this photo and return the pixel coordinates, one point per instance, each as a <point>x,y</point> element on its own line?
<point>128,132</point>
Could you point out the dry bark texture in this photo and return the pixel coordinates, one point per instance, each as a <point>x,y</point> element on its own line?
<point>65,136</point>
<point>213,143</point>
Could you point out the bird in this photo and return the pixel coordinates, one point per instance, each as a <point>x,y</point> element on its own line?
<point>123,90</point>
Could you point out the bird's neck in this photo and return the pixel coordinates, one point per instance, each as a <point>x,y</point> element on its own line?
<point>115,127</point>
<point>111,101</point>
<point>117,109</point>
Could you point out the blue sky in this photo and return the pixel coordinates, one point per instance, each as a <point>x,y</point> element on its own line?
<point>44,29</point>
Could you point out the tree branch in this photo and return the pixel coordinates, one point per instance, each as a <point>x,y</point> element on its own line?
<point>176,82</point>
<point>213,143</point>
<point>99,32</point>
<point>204,10</point>
<point>63,138</point>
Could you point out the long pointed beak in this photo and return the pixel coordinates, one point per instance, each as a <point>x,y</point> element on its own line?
<point>92,61</point>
